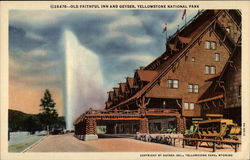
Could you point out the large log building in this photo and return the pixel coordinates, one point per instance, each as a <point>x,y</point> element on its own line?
<point>191,78</point>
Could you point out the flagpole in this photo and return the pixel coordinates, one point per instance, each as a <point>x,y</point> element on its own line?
<point>166,37</point>
<point>165,30</point>
<point>184,15</point>
<point>185,18</point>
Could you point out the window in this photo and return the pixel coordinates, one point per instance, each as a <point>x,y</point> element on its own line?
<point>170,83</point>
<point>193,59</point>
<point>173,83</point>
<point>191,106</point>
<point>207,45</point>
<point>193,88</point>
<point>164,104</point>
<point>207,69</point>
<point>196,88</point>
<point>210,45</point>
<point>213,45</point>
<point>210,69</point>
<point>157,126</point>
<point>190,88</point>
<point>188,106</point>
<point>217,57</point>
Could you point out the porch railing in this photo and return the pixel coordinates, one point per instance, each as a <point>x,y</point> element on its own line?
<point>161,110</point>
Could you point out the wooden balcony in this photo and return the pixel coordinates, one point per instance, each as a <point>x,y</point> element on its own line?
<point>162,112</point>
<point>126,114</point>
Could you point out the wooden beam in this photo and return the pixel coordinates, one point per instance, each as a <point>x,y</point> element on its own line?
<point>233,66</point>
<point>211,99</point>
<point>178,103</point>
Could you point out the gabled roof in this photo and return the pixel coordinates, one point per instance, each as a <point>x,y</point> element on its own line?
<point>109,103</point>
<point>111,95</point>
<point>146,75</point>
<point>184,39</point>
<point>213,88</point>
<point>188,30</point>
<point>116,92</point>
<point>130,82</point>
<point>122,87</point>
<point>166,66</point>
<point>172,47</point>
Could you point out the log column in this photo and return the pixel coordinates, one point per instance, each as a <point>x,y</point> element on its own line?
<point>144,125</point>
<point>183,127</point>
<point>178,124</point>
<point>91,126</point>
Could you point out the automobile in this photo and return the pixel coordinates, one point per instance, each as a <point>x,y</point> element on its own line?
<point>57,131</point>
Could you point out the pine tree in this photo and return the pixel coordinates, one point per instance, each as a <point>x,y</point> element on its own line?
<point>49,115</point>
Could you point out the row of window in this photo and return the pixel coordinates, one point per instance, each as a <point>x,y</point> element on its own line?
<point>172,83</point>
<point>210,69</point>
<point>188,106</point>
<point>216,57</point>
<point>210,45</point>
<point>192,88</point>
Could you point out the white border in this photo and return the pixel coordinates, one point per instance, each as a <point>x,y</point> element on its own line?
<point>244,6</point>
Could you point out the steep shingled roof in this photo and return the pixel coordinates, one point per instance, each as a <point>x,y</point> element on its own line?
<point>130,82</point>
<point>109,103</point>
<point>146,75</point>
<point>111,95</point>
<point>122,87</point>
<point>166,66</point>
<point>116,91</point>
<point>184,39</point>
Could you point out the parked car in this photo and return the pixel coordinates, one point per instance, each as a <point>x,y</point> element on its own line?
<point>57,131</point>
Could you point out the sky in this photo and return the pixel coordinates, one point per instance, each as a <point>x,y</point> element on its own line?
<point>123,40</point>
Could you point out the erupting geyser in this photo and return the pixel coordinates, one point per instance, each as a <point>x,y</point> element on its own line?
<point>83,79</point>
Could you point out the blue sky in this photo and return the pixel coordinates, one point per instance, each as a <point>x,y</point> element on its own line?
<point>122,39</point>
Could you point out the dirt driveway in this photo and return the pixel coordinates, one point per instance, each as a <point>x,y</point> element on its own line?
<point>68,143</point>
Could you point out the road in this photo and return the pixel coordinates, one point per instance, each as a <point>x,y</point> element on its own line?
<point>68,143</point>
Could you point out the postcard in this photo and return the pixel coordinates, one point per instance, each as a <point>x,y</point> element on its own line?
<point>124,80</point>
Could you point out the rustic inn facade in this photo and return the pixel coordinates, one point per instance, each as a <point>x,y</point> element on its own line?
<point>198,73</point>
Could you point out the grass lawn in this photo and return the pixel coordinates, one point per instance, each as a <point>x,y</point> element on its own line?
<point>22,144</point>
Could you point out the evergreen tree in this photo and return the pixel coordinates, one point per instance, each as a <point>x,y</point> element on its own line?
<point>49,115</point>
